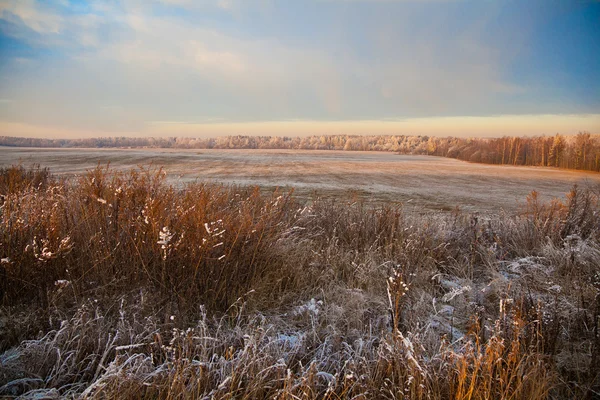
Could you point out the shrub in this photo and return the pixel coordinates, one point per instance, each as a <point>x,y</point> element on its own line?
<point>118,284</point>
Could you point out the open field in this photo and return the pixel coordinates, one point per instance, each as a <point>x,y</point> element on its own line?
<point>120,285</point>
<point>421,182</point>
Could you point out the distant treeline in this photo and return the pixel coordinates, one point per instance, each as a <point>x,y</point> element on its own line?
<point>581,151</point>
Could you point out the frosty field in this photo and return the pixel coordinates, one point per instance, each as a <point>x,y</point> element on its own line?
<point>420,182</point>
<point>119,284</point>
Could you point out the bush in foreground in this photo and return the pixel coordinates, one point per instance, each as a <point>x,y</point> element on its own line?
<point>119,285</point>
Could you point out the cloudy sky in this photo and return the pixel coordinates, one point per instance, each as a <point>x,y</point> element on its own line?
<point>208,68</point>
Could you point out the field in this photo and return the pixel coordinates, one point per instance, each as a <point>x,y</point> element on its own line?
<point>419,182</point>
<point>127,282</point>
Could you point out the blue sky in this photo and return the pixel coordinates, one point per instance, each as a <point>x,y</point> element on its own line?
<point>207,68</point>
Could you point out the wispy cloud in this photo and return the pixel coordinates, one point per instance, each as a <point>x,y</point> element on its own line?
<point>116,65</point>
<point>31,14</point>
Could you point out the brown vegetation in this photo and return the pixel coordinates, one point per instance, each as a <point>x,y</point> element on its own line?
<point>422,183</point>
<point>119,285</point>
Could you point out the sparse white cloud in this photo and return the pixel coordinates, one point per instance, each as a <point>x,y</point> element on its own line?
<point>225,4</point>
<point>125,63</point>
<point>391,1</point>
<point>32,14</point>
<point>424,77</point>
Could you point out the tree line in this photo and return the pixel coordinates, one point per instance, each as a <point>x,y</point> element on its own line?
<point>581,151</point>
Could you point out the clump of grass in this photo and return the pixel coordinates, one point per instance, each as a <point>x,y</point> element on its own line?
<point>17,178</point>
<point>111,231</point>
<point>118,284</point>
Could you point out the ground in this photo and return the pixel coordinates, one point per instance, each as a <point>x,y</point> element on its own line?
<point>420,182</point>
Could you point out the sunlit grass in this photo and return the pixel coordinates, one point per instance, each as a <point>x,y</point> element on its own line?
<point>119,285</point>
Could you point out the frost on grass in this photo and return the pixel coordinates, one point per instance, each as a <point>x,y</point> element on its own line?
<point>219,292</point>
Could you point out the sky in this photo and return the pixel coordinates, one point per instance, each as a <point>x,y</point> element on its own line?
<point>78,69</point>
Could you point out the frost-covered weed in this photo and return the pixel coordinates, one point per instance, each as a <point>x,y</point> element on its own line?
<point>220,292</point>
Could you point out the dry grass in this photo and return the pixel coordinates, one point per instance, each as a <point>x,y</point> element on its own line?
<point>118,285</point>
<point>421,182</point>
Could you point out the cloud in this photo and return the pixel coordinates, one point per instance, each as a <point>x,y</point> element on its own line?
<point>390,1</point>
<point>310,79</point>
<point>32,14</point>
<point>224,5</point>
<point>18,129</point>
<point>116,65</point>
<point>494,126</point>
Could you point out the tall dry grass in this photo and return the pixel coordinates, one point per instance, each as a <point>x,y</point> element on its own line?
<point>111,232</point>
<point>119,285</point>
